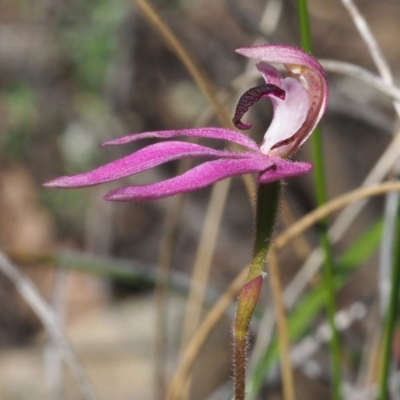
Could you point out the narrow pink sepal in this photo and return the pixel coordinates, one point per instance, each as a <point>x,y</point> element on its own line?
<point>196,178</point>
<point>283,169</point>
<point>142,160</point>
<point>208,132</point>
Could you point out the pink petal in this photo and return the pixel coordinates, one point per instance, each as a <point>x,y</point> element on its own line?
<point>196,178</point>
<point>282,169</point>
<point>208,132</point>
<point>289,116</point>
<point>146,158</point>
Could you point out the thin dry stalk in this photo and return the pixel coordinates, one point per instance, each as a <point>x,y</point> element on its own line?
<point>336,204</point>
<point>377,174</point>
<point>52,352</point>
<point>161,291</point>
<point>339,67</point>
<point>369,39</point>
<point>374,367</point>
<point>283,331</point>
<point>202,333</point>
<point>300,246</point>
<point>360,73</point>
<point>368,373</point>
<point>203,261</point>
<point>309,345</point>
<point>195,71</point>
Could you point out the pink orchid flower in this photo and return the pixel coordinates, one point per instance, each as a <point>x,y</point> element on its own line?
<point>299,101</point>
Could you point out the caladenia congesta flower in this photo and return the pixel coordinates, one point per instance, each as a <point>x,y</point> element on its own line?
<point>299,101</point>
<point>295,117</point>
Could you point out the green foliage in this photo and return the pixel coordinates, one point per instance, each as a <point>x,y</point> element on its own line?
<point>89,36</point>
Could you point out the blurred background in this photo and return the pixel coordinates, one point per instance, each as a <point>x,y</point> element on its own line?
<point>76,73</point>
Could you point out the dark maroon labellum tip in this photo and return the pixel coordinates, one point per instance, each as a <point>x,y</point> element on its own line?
<point>250,97</point>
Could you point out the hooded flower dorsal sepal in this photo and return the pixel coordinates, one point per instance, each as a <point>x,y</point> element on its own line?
<point>299,101</point>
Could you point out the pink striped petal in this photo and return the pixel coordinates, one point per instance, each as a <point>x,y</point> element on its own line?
<point>196,178</point>
<point>282,169</point>
<point>208,132</point>
<point>146,158</point>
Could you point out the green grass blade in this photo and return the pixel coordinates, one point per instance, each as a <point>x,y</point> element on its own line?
<point>390,318</point>
<point>321,197</point>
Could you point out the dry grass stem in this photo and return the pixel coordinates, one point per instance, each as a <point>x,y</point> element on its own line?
<point>52,353</point>
<point>202,333</point>
<point>378,173</point>
<point>300,246</point>
<point>282,325</point>
<point>374,364</point>
<point>360,73</point>
<point>203,260</point>
<point>195,71</point>
<point>337,67</point>
<point>161,291</point>
<point>370,41</point>
<point>336,204</point>
<point>367,374</point>
<point>309,345</point>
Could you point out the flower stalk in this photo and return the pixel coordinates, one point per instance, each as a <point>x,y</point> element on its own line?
<point>266,211</point>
